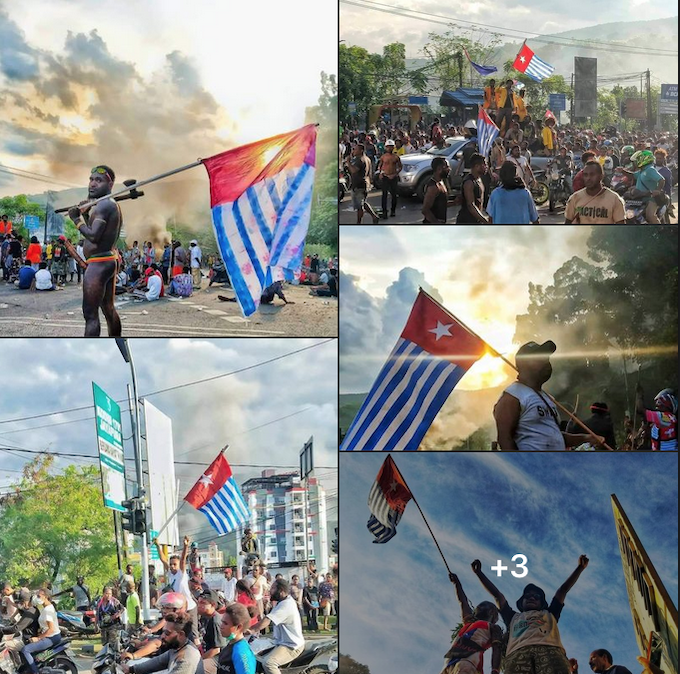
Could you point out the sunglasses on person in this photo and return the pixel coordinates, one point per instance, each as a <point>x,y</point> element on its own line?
<point>101,171</point>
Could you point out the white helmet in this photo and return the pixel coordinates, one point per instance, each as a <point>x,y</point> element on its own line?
<point>389,143</point>
<point>470,124</point>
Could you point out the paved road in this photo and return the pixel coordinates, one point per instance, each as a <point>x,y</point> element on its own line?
<point>409,211</point>
<point>58,314</point>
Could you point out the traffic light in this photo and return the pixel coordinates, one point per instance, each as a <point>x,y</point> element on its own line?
<point>334,546</point>
<point>134,519</point>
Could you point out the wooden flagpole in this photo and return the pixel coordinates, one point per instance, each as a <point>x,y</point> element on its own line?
<point>423,516</point>
<point>562,408</point>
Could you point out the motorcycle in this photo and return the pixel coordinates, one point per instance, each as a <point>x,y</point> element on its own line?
<point>540,190</point>
<point>318,657</point>
<point>77,623</point>
<point>557,186</point>
<point>622,183</point>
<point>59,657</point>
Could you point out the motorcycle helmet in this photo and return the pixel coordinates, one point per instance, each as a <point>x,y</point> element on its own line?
<point>607,143</point>
<point>628,149</point>
<point>389,143</point>
<point>172,601</point>
<point>666,401</point>
<point>470,124</point>
<point>643,158</point>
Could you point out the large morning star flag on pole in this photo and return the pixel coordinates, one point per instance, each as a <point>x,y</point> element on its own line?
<point>528,63</point>
<point>387,500</point>
<point>218,497</point>
<point>487,132</point>
<point>434,351</point>
<point>261,198</point>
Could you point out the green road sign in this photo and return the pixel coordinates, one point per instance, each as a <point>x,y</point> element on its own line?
<point>110,443</point>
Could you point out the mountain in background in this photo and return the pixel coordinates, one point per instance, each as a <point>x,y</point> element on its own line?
<point>658,33</point>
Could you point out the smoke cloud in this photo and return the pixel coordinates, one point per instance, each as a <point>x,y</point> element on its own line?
<point>84,106</point>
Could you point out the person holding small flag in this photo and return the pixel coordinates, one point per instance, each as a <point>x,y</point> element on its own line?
<point>478,633</point>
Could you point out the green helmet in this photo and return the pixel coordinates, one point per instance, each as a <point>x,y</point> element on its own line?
<point>643,158</point>
<point>628,149</point>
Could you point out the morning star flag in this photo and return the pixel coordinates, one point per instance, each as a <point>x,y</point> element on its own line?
<point>486,132</point>
<point>261,197</point>
<point>218,497</point>
<point>434,351</point>
<point>528,63</point>
<point>482,70</point>
<point>387,500</point>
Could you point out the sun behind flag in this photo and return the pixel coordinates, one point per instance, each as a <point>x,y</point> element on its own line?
<point>261,198</point>
<point>218,497</point>
<point>387,500</point>
<point>434,351</point>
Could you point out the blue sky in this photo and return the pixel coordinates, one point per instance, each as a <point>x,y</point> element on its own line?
<point>46,375</point>
<point>398,605</point>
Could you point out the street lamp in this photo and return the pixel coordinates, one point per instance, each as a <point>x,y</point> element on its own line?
<point>124,348</point>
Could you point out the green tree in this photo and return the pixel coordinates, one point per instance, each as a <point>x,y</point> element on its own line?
<point>444,50</point>
<point>323,226</point>
<point>357,76</point>
<point>392,70</point>
<point>57,526</point>
<point>17,206</point>
<point>621,303</point>
<point>348,665</point>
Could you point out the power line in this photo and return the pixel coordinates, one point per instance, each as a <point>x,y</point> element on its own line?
<point>30,175</point>
<point>174,388</point>
<point>508,32</point>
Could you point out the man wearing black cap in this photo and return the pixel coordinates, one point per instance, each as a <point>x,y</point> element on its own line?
<point>534,643</point>
<point>526,418</point>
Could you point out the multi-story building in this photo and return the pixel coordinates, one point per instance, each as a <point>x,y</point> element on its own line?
<point>277,506</point>
<point>211,558</point>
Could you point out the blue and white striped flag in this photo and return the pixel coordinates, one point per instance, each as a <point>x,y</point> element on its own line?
<point>387,499</point>
<point>261,198</point>
<point>486,132</point>
<point>218,497</point>
<point>528,63</point>
<point>433,353</point>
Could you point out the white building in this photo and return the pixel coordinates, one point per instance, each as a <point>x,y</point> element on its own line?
<point>277,507</point>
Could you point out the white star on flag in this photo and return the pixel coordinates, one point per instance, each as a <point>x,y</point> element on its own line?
<point>441,330</point>
<point>206,479</point>
<point>393,485</point>
<point>522,59</point>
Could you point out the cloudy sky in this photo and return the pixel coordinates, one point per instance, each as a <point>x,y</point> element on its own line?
<point>398,605</point>
<point>481,275</point>
<point>49,375</point>
<point>372,28</point>
<point>145,87</point>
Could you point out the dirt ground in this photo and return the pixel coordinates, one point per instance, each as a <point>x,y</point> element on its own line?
<point>58,314</point>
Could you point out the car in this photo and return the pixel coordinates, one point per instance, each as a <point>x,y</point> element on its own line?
<point>417,168</point>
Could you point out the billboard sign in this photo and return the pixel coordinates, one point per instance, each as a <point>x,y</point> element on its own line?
<point>162,483</point>
<point>669,92</point>
<point>668,107</point>
<point>655,617</point>
<point>32,223</point>
<point>110,443</point>
<point>557,102</point>
<point>636,108</point>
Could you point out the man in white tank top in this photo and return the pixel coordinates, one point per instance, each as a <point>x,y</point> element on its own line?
<point>526,418</point>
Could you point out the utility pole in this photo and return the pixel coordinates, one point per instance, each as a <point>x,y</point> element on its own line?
<point>459,56</point>
<point>650,121</point>
<point>124,348</point>
<point>571,113</point>
<point>47,208</point>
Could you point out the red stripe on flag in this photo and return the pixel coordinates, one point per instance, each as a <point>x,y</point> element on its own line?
<point>436,331</point>
<point>212,480</point>
<point>393,486</point>
<point>523,58</point>
<point>231,173</point>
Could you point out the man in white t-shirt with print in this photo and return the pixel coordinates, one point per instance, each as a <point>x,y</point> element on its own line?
<point>228,587</point>
<point>287,629</point>
<point>258,584</point>
<point>177,578</point>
